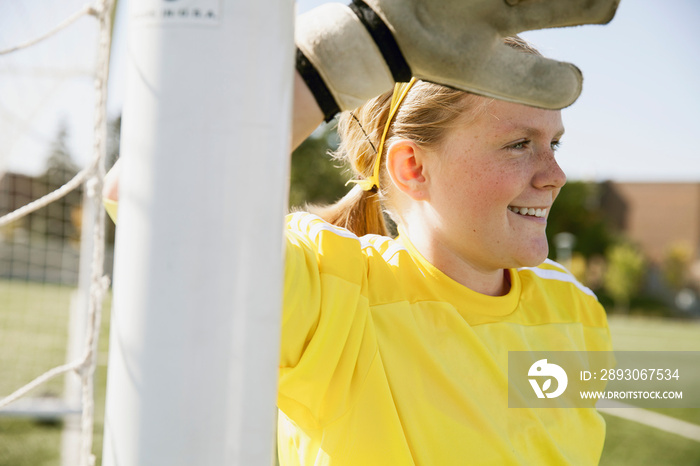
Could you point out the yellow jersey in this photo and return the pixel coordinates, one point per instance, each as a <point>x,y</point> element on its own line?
<point>385,360</point>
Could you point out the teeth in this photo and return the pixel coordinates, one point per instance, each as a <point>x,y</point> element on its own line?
<point>528,211</point>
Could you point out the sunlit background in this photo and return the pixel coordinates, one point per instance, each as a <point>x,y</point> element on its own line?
<point>627,224</point>
<point>635,121</point>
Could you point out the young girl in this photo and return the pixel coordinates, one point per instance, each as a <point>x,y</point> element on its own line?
<point>394,351</point>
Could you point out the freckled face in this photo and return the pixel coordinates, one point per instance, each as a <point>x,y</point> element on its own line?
<point>494,184</point>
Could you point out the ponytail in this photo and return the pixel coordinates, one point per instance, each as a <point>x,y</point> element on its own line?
<point>358,211</point>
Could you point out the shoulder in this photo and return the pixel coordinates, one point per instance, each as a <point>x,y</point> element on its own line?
<point>316,229</point>
<point>551,286</point>
<point>338,250</point>
<point>554,275</point>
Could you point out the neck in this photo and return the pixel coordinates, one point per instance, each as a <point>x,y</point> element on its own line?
<point>484,280</point>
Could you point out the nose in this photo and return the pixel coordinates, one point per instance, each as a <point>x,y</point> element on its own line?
<point>549,174</point>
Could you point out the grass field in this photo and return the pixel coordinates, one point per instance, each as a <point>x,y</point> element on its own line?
<point>630,443</point>
<point>33,336</point>
<point>34,318</point>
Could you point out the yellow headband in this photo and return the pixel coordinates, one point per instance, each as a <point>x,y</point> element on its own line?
<point>400,91</point>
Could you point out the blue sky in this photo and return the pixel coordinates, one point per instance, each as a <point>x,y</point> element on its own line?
<point>636,119</point>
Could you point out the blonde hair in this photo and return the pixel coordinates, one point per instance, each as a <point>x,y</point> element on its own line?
<point>426,114</point>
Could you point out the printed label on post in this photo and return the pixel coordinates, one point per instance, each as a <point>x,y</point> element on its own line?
<point>177,12</point>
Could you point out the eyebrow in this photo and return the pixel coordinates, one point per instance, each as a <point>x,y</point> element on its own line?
<point>530,131</point>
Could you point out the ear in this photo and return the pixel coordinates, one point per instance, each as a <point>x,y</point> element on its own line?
<point>405,163</point>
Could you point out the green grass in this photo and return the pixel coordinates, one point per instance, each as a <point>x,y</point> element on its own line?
<point>25,442</point>
<point>33,336</point>
<point>658,334</point>
<point>34,318</point>
<point>33,332</point>
<point>654,334</point>
<point>631,443</point>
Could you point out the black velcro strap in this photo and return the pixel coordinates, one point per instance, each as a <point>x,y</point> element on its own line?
<point>384,39</point>
<point>317,86</point>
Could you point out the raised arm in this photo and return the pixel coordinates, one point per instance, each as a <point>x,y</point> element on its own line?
<point>306,114</point>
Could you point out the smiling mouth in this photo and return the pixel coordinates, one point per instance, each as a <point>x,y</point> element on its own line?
<point>528,211</point>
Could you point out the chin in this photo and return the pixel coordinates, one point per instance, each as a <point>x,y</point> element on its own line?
<point>533,256</point>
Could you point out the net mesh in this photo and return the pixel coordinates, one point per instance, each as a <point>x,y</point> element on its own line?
<point>52,253</point>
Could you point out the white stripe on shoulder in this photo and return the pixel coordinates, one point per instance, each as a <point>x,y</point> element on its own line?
<point>379,241</point>
<point>375,240</point>
<point>302,221</point>
<point>323,226</point>
<point>305,225</point>
<point>557,265</point>
<point>306,220</point>
<point>393,249</point>
<point>560,276</point>
<point>294,220</point>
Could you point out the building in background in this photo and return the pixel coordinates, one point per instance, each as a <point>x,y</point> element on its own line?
<point>656,216</point>
<point>44,246</point>
<point>663,220</point>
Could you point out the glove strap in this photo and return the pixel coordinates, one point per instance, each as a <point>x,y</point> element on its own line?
<point>317,86</point>
<point>377,34</point>
<point>384,39</point>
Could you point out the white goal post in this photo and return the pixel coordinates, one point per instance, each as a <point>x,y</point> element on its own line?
<point>194,340</point>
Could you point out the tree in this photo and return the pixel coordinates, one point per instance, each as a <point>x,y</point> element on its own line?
<point>578,211</point>
<point>316,178</point>
<point>60,167</point>
<point>114,128</point>
<point>676,265</point>
<point>58,219</point>
<point>623,277</point>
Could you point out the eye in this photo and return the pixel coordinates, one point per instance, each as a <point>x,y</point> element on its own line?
<point>520,145</point>
<point>555,145</point>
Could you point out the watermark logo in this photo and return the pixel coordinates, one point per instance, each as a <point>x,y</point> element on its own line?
<point>591,379</point>
<point>541,369</point>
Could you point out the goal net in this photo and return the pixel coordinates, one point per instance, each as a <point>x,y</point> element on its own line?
<point>53,148</point>
<point>203,391</point>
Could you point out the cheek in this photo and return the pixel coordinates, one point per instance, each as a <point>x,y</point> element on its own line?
<point>471,188</point>
<point>480,184</point>
<point>492,188</point>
